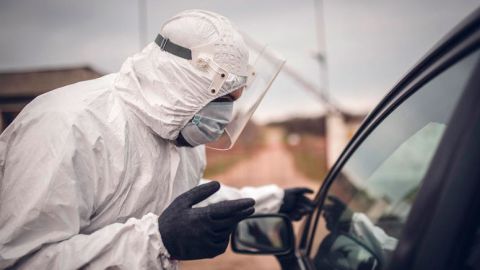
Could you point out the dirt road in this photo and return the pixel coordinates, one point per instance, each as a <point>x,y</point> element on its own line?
<point>273,164</point>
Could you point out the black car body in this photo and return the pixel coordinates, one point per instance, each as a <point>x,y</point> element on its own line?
<point>410,176</point>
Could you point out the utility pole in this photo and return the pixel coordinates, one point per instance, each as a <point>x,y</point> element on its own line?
<point>336,130</point>
<point>322,46</point>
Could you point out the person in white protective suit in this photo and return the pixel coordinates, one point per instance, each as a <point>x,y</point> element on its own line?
<point>104,173</point>
<point>341,219</point>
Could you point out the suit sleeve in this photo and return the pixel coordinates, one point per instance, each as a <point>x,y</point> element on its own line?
<point>268,198</point>
<point>363,227</point>
<point>48,190</point>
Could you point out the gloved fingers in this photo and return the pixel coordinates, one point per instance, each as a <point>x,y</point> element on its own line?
<point>335,200</point>
<point>328,212</point>
<point>239,215</point>
<point>306,201</point>
<point>305,209</point>
<point>231,222</point>
<point>300,212</point>
<point>304,205</point>
<point>308,208</point>
<point>295,216</point>
<point>333,210</point>
<point>226,209</point>
<point>199,193</point>
<point>291,198</point>
<point>328,218</point>
<point>301,190</point>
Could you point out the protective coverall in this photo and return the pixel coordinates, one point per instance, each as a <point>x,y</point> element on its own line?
<point>86,169</point>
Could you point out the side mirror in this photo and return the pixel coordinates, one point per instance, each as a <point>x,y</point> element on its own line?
<point>270,234</point>
<point>342,251</point>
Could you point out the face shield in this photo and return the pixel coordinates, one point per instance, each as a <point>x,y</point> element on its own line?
<point>264,68</point>
<point>255,79</point>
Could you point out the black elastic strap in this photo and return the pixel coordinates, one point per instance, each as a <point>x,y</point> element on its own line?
<point>166,45</point>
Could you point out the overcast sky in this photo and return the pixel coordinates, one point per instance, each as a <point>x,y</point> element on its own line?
<point>370,45</point>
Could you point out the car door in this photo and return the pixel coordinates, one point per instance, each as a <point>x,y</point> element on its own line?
<point>376,206</point>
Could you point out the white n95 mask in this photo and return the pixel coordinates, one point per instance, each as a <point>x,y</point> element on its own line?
<point>207,125</point>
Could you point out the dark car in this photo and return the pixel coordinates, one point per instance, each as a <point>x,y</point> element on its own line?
<point>405,193</point>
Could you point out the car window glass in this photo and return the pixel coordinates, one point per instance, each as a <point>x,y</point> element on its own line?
<point>370,198</point>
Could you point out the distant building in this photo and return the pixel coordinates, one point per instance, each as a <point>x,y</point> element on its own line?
<point>337,127</point>
<point>20,87</point>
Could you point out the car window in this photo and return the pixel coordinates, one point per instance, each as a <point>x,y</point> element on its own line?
<point>370,198</point>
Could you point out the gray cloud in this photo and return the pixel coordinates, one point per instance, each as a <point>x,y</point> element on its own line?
<point>370,44</point>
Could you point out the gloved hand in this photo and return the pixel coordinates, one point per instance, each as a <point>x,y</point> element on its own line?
<point>296,204</point>
<point>337,215</point>
<point>197,233</point>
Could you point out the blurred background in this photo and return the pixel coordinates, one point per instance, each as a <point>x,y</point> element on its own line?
<point>342,58</point>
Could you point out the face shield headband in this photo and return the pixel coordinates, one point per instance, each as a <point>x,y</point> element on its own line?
<point>202,58</point>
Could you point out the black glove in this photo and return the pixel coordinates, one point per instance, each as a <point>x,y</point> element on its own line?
<point>296,204</point>
<point>197,233</point>
<point>337,215</point>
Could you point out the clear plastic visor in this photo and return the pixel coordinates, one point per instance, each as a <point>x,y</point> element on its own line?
<point>266,66</point>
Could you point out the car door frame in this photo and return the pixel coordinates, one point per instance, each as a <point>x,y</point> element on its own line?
<point>461,41</point>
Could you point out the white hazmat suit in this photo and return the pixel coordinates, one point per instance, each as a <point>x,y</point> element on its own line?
<point>86,169</point>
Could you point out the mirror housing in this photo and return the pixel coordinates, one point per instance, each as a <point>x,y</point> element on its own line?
<point>264,234</point>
